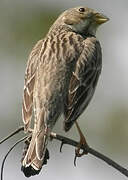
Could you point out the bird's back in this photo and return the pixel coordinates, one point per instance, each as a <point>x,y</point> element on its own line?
<point>57,61</point>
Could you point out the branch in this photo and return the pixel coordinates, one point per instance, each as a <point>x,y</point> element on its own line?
<point>3,162</point>
<point>12,134</point>
<point>91,151</point>
<point>87,149</point>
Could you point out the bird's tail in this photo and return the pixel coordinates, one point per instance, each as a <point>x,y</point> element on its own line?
<point>35,153</point>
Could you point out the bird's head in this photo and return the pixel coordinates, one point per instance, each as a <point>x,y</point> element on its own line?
<point>82,20</point>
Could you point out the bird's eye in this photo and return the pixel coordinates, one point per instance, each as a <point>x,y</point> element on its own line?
<point>81,9</point>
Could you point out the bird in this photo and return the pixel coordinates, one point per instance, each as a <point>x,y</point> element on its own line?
<point>61,76</point>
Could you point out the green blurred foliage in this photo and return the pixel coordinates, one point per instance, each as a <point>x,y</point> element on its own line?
<point>32,28</point>
<point>22,27</point>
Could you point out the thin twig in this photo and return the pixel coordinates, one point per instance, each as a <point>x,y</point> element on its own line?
<point>95,153</point>
<point>3,162</point>
<point>12,134</point>
<point>65,140</point>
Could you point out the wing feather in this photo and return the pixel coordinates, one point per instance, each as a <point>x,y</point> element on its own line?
<point>83,81</point>
<point>29,82</point>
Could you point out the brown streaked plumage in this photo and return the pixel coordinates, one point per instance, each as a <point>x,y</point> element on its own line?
<point>61,77</point>
<point>83,81</point>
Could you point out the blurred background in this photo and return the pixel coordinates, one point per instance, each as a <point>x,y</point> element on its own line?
<point>105,121</point>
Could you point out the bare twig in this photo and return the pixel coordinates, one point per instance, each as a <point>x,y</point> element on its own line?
<point>3,162</point>
<point>95,153</point>
<point>87,149</point>
<point>12,134</point>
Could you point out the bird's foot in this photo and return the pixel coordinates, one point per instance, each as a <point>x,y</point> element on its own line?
<point>82,146</point>
<point>81,149</point>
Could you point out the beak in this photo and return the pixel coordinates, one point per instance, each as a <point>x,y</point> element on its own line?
<point>100,18</point>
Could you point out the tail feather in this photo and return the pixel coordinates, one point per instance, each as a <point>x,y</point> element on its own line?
<point>41,147</point>
<point>35,155</point>
<point>30,171</point>
<point>30,155</point>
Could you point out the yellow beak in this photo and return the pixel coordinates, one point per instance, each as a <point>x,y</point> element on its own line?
<point>100,18</point>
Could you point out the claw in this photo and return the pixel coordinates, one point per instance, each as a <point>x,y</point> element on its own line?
<point>61,146</point>
<point>75,160</point>
<point>80,145</point>
<point>78,154</point>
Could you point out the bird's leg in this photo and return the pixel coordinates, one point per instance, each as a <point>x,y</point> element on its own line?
<point>82,142</point>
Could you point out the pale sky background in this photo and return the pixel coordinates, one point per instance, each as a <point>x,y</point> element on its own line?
<point>105,122</point>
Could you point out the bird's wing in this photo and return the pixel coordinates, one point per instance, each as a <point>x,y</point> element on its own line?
<point>29,84</point>
<point>83,81</point>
